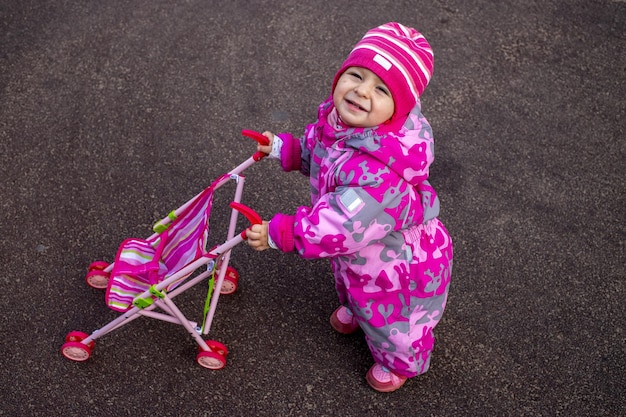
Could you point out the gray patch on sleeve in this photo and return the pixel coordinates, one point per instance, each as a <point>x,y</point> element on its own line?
<point>350,200</point>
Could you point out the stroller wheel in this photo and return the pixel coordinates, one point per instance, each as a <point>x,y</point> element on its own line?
<point>231,280</point>
<point>76,351</point>
<point>76,336</point>
<point>97,279</point>
<point>98,266</point>
<point>217,347</point>
<point>211,360</point>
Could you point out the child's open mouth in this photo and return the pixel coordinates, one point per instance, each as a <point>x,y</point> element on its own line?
<point>355,105</point>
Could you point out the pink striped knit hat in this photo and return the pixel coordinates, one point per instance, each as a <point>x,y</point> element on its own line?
<point>401,57</point>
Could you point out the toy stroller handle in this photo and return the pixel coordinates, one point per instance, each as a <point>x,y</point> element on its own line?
<point>250,214</point>
<point>260,138</point>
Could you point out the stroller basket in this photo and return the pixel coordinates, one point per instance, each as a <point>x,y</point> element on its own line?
<point>147,274</point>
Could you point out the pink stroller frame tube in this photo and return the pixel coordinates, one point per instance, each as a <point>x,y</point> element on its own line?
<point>226,258</point>
<point>234,174</point>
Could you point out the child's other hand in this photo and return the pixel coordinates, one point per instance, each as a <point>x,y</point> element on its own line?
<point>266,149</point>
<point>257,236</point>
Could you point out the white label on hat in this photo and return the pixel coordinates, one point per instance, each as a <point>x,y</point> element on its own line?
<point>383,62</point>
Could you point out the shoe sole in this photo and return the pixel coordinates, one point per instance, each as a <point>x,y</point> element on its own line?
<point>382,387</point>
<point>342,328</point>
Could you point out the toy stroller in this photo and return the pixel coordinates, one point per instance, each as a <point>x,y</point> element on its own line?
<point>148,273</point>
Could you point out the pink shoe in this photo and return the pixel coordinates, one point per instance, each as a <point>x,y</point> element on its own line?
<point>383,380</point>
<point>343,321</point>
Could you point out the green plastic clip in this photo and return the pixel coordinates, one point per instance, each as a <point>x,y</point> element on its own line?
<point>160,227</point>
<point>143,302</point>
<point>156,293</point>
<point>147,302</point>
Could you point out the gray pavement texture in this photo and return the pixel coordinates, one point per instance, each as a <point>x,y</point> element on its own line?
<point>112,113</point>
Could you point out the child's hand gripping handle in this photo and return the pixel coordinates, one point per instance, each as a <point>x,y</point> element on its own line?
<point>261,139</point>
<point>250,214</point>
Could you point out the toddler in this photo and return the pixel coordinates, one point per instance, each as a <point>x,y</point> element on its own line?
<point>373,212</point>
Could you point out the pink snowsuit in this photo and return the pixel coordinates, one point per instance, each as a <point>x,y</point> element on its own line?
<point>374,214</point>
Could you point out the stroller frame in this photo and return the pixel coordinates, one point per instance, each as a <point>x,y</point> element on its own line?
<point>78,346</point>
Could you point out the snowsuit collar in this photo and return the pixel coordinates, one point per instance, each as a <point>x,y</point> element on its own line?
<point>408,150</point>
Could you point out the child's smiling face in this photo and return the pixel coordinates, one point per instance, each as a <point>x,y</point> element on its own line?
<point>362,99</point>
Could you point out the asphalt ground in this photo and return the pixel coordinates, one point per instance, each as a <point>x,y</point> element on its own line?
<point>113,113</point>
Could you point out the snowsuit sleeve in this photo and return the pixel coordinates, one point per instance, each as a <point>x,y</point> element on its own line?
<point>367,202</point>
<point>295,154</point>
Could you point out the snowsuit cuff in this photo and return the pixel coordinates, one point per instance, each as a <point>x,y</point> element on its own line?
<point>281,232</point>
<point>290,153</point>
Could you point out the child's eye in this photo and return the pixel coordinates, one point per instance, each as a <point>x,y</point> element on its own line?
<point>383,90</point>
<point>356,75</point>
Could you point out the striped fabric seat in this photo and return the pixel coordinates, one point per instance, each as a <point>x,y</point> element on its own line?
<point>141,263</point>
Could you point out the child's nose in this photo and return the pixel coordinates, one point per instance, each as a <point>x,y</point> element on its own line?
<point>364,90</point>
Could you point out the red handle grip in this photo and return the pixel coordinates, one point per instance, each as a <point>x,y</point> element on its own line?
<point>256,136</point>
<point>260,138</point>
<point>250,214</point>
